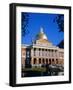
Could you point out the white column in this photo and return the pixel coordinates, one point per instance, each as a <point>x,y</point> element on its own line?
<point>32,52</point>
<point>36,51</point>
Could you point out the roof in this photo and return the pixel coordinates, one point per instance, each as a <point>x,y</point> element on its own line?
<point>41,38</point>
<point>41,35</point>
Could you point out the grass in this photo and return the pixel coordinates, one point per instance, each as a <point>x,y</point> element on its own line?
<point>39,69</point>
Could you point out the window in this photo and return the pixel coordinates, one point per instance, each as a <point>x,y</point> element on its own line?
<point>39,60</point>
<point>49,61</point>
<point>43,61</point>
<point>42,52</point>
<point>46,61</point>
<point>34,60</point>
<point>34,51</point>
<point>52,60</point>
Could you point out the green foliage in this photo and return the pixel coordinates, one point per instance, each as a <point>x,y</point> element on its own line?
<point>60,22</point>
<point>24,20</point>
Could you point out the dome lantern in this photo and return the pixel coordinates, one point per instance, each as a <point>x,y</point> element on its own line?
<point>41,30</point>
<point>41,35</point>
<point>41,38</point>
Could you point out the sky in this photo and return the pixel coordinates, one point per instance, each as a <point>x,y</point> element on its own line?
<point>46,21</point>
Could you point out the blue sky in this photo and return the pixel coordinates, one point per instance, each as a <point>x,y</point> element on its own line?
<point>38,20</point>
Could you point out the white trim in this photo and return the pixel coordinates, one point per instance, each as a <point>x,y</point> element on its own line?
<point>20,80</point>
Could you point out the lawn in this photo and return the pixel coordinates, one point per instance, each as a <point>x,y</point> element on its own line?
<point>39,69</point>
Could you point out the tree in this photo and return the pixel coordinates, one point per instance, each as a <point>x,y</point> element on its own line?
<point>60,22</point>
<point>61,44</point>
<point>24,20</point>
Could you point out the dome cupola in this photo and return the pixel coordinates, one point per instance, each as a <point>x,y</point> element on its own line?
<point>41,39</point>
<point>41,35</point>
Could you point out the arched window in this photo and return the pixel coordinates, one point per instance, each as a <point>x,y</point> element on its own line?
<point>52,60</point>
<point>46,61</point>
<point>43,61</point>
<point>39,60</point>
<point>49,61</point>
<point>34,60</point>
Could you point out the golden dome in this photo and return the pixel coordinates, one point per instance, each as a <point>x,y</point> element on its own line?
<point>42,39</point>
<point>41,35</point>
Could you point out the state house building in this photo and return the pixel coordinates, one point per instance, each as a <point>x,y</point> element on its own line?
<point>41,52</point>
